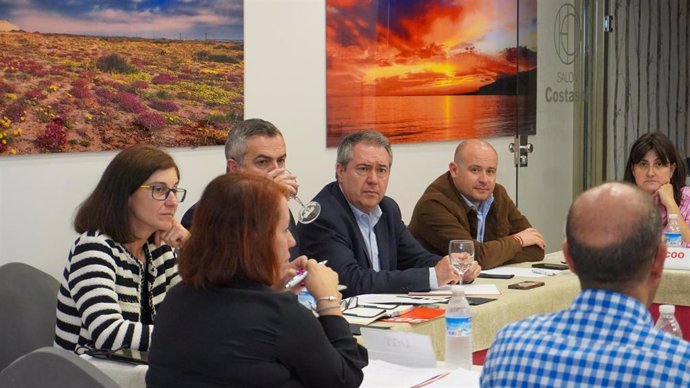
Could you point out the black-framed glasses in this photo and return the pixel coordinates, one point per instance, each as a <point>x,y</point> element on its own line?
<point>160,191</point>
<point>348,303</point>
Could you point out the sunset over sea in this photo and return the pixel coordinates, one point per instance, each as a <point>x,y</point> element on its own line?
<point>428,70</point>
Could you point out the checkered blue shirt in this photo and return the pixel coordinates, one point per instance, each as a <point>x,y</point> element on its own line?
<point>605,339</point>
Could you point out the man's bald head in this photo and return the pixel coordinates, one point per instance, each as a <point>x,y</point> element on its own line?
<point>472,145</point>
<point>613,232</point>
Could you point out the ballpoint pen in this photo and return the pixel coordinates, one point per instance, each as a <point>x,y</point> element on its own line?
<point>396,313</point>
<point>543,272</point>
<point>297,279</point>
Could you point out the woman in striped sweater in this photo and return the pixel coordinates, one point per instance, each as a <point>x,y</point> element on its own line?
<point>122,264</point>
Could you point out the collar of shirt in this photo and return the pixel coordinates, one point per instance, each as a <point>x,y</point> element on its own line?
<point>482,211</point>
<point>366,223</point>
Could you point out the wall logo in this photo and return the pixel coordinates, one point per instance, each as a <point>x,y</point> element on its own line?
<point>566,30</point>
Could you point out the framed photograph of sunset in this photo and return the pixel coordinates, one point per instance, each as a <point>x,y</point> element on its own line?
<point>90,76</point>
<point>431,70</point>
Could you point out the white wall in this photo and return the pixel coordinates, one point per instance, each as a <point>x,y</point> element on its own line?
<point>285,84</point>
<point>545,187</point>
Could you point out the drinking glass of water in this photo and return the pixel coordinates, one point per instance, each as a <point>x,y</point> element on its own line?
<point>308,212</point>
<point>461,254</point>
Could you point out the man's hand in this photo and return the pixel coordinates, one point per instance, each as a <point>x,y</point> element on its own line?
<point>176,236</point>
<point>445,274</point>
<point>531,236</point>
<point>285,178</point>
<point>472,272</point>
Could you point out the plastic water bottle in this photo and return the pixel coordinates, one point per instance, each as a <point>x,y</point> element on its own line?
<point>667,320</point>
<point>305,299</point>
<point>672,232</point>
<point>458,331</point>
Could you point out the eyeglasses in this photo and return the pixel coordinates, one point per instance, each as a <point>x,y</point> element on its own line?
<point>348,303</point>
<point>160,191</point>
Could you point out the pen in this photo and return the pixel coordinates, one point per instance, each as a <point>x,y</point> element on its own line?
<point>301,275</point>
<point>542,272</point>
<point>396,313</point>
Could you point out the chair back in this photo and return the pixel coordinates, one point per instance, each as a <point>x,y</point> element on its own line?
<point>53,367</point>
<point>28,298</point>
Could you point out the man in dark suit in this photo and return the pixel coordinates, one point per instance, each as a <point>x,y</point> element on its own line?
<point>255,146</point>
<point>361,233</point>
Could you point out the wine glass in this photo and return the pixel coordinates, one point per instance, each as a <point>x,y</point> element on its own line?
<point>307,213</point>
<point>461,254</point>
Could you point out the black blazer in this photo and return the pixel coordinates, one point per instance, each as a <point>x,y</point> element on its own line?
<point>335,236</point>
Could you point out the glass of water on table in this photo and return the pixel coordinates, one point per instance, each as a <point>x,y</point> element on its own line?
<point>461,254</point>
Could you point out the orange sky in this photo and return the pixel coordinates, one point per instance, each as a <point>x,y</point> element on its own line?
<point>421,47</point>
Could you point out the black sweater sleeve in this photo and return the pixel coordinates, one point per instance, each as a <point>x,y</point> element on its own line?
<point>323,352</point>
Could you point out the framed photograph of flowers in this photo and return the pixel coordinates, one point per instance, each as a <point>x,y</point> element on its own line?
<point>89,76</point>
<point>431,70</point>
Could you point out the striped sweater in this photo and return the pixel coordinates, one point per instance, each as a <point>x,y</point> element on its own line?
<point>99,301</point>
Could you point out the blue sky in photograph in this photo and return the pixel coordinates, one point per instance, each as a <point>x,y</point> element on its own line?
<point>190,19</point>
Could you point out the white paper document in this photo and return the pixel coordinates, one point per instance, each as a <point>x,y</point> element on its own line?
<point>380,374</point>
<point>522,272</point>
<point>470,290</point>
<point>398,299</point>
<point>399,347</point>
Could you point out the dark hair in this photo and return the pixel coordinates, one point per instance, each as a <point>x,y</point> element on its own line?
<point>667,152</point>
<point>236,144</point>
<point>234,223</point>
<point>623,262</point>
<point>107,208</point>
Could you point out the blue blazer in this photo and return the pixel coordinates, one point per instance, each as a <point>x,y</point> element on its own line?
<point>335,236</point>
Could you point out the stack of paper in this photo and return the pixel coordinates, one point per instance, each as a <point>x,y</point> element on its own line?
<point>379,374</point>
<point>470,290</point>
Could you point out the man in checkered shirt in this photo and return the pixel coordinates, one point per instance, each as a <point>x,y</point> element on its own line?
<point>606,338</point>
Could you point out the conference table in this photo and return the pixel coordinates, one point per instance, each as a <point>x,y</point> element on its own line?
<point>511,305</point>
<point>557,294</point>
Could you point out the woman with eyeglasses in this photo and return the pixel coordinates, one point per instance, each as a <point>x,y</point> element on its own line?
<point>123,263</point>
<point>656,167</point>
<point>231,322</point>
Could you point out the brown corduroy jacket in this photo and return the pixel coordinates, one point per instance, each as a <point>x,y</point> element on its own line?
<point>442,215</point>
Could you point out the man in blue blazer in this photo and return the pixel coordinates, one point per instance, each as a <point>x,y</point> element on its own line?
<point>361,233</point>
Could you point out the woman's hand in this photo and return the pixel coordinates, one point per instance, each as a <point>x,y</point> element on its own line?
<point>176,236</point>
<point>665,196</point>
<point>322,283</point>
<point>291,269</point>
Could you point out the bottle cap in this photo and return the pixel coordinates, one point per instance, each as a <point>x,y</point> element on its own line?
<point>667,309</point>
<point>457,289</point>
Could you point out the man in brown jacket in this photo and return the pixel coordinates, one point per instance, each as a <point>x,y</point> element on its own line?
<point>466,203</point>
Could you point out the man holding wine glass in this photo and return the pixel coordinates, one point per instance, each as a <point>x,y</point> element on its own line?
<point>467,203</point>
<point>361,233</point>
<point>256,146</point>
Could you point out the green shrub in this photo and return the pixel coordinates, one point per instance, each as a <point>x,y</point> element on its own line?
<point>114,63</point>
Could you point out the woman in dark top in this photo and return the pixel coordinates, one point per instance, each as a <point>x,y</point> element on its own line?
<point>229,323</point>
